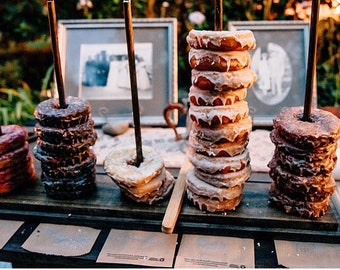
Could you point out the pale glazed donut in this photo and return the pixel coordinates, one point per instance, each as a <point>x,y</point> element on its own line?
<point>211,205</point>
<point>221,40</point>
<point>218,115</point>
<point>219,165</point>
<point>232,132</point>
<point>218,61</point>
<point>297,207</point>
<point>119,165</point>
<point>223,81</point>
<point>323,129</point>
<point>204,189</point>
<point>201,97</point>
<point>227,149</point>
<point>225,179</point>
<point>12,137</point>
<point>49,114</point>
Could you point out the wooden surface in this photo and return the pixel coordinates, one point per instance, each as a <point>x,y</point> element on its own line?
<point>108,208</point>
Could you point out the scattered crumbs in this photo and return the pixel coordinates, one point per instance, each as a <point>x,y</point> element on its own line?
<point>69,215</point>
<point>258,244</point>
<point>244,248</point>
<point>297,254</point>
<point>272,251</point>
<point>247,204</point>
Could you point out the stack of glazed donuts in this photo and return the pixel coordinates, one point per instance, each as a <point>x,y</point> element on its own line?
<point>64,138</point>
<point>221,124</point>
<point>303,161</point>
<point>147,183</point>
<point>16,163</point>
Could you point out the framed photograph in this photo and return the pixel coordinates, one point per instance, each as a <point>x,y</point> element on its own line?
<point>280,62</point>
<point>95,66</point>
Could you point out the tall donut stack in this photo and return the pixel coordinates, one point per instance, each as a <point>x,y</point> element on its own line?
<point>303,161</point>
<point>16,163</point>
<point>221,124</point>
<point>64,138</point>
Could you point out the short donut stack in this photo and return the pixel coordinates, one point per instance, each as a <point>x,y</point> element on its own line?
<point>148,183</point>
<point>64,138</point>
<point>16,163</point>
<point>303,161</point>
<point>221,124</point>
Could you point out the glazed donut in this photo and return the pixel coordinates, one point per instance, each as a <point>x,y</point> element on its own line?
<point>219,165</point>
<point>148,183</point>
<point>221,40</point>
<point>201,97</point>
<point>49,114</point>
<point>231,132</point>
<point>12,137</point>
<point>16,156</point>
<point>204,189</point>
<point>218,61</point>
<point>16,169</point>
<point>324,128</point>
<point>225,179</point>
<point>218,115</point>
<point>211,205</point>
<point>70,136</point>
<point>223,81</point>
<point>300,208</point>
<point>70,188</point>
<point>227,149</point>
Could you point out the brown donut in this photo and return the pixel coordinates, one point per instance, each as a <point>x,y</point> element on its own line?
<point>69,136</point>
<point>296,207</point>
<point>49,114</point>
<point>16,169</point>
<point>221,40</point>
<point>218,61</point>
<point>201,97</point>
<point>219,115</point>
<point>16,156</point>
<point>223,81</point>
<point>12,137</point>
<point>322,130</point>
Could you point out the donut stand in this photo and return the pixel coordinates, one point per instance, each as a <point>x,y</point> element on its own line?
<point>107,210</point>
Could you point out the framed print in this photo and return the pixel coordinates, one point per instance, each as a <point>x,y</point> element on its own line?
<point>95,66</point>
<point>280,62</point>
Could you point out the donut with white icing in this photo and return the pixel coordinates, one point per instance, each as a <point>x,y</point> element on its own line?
<point>221,40</point>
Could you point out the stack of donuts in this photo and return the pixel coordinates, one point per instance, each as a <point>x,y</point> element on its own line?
<point>147,183</point>
<point>64,138</point>
<point>303,161</point>
<point>16,163</point>
<point>221,123</point>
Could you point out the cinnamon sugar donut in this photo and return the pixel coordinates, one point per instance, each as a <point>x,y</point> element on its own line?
<point>218,115</point>
<point>49,114</point>
<point>231,132</point>
<point>201,97</point>
<point>219,165</point>
<point>226,149</point>
<point>221,40</point>
<point>223,81</point>
<point>298,207</point>
<point>229,179</point>
<point>218,61</point>
<point>12,137</point>
<point>324,128</point>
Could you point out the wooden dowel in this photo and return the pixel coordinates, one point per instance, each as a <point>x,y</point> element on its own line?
<point>218,15</point>
<point>133,80</point>
<point>311,65</point>
<point>56,56</point>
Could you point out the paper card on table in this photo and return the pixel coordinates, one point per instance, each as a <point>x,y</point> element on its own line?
<point>7,229</point>
<point>307,254</point>
<point>139,248</point>
<point>202,251</point>
<point>64,240</point>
